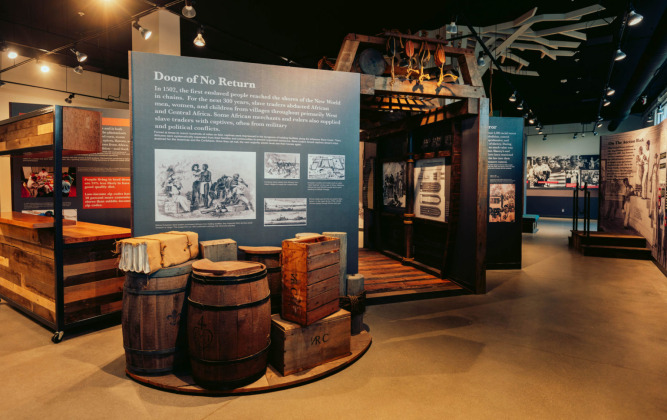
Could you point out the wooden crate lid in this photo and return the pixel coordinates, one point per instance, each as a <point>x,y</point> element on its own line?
<point>262,250</point>
<point>226,268</point>
<point>217,242</point>
<point>285,325</point>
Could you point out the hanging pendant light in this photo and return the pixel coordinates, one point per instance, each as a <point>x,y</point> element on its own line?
<point>189,11</point>
<point>80,57</point>
<point>634,17</point>
<point>78,70</point>
<point>480,59</point>
<point>199,39</point>
<point>620,55</point>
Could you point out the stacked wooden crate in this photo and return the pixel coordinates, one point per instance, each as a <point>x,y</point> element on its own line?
<point>311,269</point>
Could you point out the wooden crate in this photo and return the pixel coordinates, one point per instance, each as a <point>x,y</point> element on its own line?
<point>218,250</point>
<point>311,269</point>
<point>295,348</point>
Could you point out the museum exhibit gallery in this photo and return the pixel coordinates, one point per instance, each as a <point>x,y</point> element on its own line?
<point>234,201</point>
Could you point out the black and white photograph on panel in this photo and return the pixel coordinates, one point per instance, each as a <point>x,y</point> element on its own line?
<point>204,185</point>
<point>282,165</point>
<point>501,203</point>
<point>393,184</point>
<point>326,167</point>
<point>285,211</point>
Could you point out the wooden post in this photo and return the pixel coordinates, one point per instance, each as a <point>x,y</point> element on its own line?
<point>409,215</point>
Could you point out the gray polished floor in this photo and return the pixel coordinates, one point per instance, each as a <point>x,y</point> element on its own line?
<point>565,337</point>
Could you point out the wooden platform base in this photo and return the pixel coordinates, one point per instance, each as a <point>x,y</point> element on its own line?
<point>271,381</point>
<point>384,276</point>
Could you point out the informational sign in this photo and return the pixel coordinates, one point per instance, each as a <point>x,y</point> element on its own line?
<point>250,152</point>
<point>505,192</point>
<point>563,171</point>
<point>631,185</point>
<point>393,185</point>
<point>95,187</point>
<point>431,200</point>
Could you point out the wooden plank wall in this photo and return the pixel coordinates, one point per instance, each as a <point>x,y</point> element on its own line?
<point>93,284</point>
<point>31,132</point>
<point>27,269</point>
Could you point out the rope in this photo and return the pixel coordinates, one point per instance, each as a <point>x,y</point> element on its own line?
<point>355,304</point>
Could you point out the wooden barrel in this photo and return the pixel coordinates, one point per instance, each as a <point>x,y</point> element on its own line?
<point>270,257</point>
<point>229,323</point>
<point>153,319</point>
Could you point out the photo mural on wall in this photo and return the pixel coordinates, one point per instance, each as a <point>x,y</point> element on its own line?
<point>393,185</point>
<point>563,171</point>
<point>634,166</point>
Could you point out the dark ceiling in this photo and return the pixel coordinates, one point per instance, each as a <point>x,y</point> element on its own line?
<point>301,33</point>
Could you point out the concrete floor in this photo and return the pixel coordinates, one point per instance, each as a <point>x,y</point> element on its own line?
<point>566,337</point>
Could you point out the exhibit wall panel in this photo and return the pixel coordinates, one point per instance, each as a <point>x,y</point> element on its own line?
<point>505,193</point>
<point>251,152</point>
<point>96,188</point>
<point>632,191</point>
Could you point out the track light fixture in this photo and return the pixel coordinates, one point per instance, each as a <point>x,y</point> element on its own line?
<point>513,97</point>
<point>69,98</point>
<point>649,119</point>
<point>595,133</point>
<point>43,67</point>
<point>80,57</point>
<point>544,138</point>
<point>519,106</point>
<point>78,69</point>
<point>574,136</point>
<point>145,33</point>
<point>606,102</point>
<point>188,10</point>
<point>620,55</point>
<point>11,54</point>
<point>610,91</point>
<point>531,120</point>
<point>480,59</point>
<point>634,17</point>
<point>199,39</point>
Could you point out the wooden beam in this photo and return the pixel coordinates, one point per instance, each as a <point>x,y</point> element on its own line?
<point>574,27</point>
<point>470,71</point>
<point>510,39</point>
<point>431,43</point>
<point>427,88</point>
<point>346,55</point>
<point>576,35</point>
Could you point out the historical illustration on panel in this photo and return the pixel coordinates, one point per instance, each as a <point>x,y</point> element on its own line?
<point>204,185</point>
<point>285,211</point>
<point>281,165</point>
<point>501,202</point>
<point>393,184</point>
<point>430,185</point>
<point>326,167</point>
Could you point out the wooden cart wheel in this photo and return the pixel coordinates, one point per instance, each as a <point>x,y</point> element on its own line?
<point>57,337</point>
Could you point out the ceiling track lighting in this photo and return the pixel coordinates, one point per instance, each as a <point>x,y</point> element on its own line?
<point>633,17</point>
<point>574,136</point>
<point>80,57</point>
<point>480,59</point>
<point>649,119</point>
<point>519,106</point>
<point>610,91</point>
<point>145,33</point>
<point>199,39</point>
<point>620,55</point>
<point>188,10</point>
<point>606,102</point>
<point>69,98</point>
<point>595,133</point>
<point>78,69</point>
<point>513,97</point>
<point>544,138</point>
